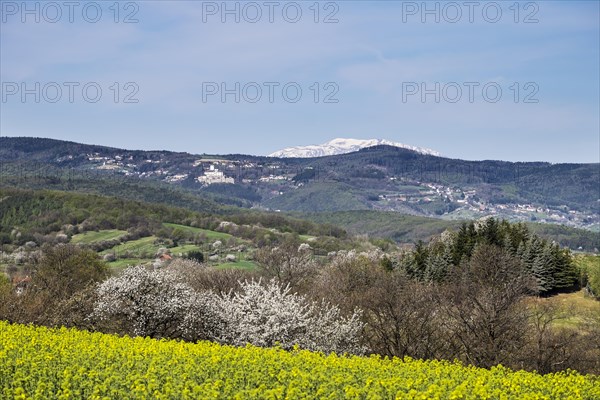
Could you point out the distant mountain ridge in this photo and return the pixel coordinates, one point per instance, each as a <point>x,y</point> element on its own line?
<point>344,146</point>
<point>378,178</point>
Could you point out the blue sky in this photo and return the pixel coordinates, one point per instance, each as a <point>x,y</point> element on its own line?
<point>376,60</point>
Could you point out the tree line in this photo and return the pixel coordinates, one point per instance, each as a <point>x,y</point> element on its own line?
<point>551,267</point>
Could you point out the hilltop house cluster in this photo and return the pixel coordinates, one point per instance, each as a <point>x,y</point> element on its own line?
<point>213,175</point>
<point>467,202</point>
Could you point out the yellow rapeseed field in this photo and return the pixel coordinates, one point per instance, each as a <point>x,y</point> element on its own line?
<point>42,363</point>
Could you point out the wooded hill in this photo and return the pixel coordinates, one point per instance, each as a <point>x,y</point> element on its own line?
<point>334,183</point>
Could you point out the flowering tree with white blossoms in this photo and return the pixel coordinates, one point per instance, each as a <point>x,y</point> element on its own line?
<point>269,315</point>
<point>156,304</point>
<point>160,304</point>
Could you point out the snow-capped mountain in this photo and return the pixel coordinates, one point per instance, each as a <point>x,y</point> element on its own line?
<point>343,146</point>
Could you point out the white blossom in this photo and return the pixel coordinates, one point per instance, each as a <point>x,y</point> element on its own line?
<point>154,303</point>
<point>303,247</point>
<point>269,315</point>
<point>159,304</point>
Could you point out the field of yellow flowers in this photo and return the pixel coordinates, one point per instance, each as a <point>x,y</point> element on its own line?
<point>42,363</point>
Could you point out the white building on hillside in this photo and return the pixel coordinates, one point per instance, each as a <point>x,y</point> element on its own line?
<point>214,176</point>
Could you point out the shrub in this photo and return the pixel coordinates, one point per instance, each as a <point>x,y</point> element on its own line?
<point>156,304</point>
<point>195,255</point>
<point>269,315</point>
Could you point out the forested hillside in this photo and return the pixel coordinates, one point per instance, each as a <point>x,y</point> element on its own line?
<point>379,178</point>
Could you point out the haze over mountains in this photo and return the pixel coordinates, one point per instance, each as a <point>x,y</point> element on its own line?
<point>344,146</point>
<point>379,178</point>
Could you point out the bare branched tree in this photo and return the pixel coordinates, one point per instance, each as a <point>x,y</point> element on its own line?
<point>483,309</point>
<point>289,264</point>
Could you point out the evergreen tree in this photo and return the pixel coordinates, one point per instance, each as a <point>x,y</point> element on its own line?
<point>563,269</point>
<point>509,246</point>
<point>490,233</point>
<point>541,269</point>
<point>420,256</point>
<point>551,266</point>
<point>438,265</point>
<point>464,242</point>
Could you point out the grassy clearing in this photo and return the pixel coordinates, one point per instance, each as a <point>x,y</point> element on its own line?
<point>143,250</point>
<point>578,301</point>
<point>92,236</point>
<point>125,262</point>
<point>307,238</point>
<point>409,189</point>
<point>140,246</point>
<point>243,264</point>
<point>186,248</point>
<point>211,235</point>
<point>575,308</point>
